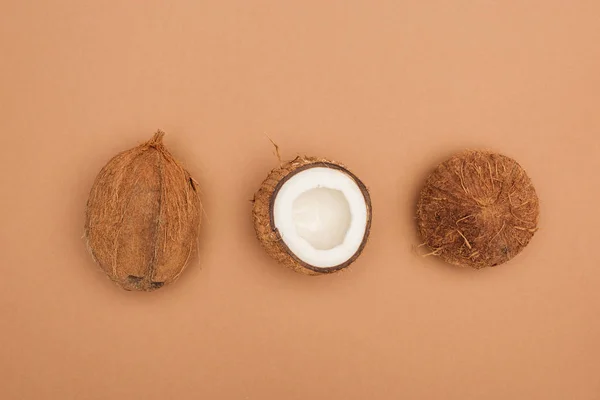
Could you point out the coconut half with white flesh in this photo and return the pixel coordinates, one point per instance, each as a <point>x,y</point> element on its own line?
<point>312,215</point>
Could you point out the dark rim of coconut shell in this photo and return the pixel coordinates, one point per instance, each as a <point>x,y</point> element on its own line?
<point>366,197</point>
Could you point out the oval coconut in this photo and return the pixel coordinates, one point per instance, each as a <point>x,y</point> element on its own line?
<point>143,217</point>
<point>264,216</point>
<point>477,209</point>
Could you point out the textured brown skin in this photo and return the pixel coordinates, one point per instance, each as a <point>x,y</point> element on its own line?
<point>143,217</point>
<point>478,209</point>
<point>262,214</point>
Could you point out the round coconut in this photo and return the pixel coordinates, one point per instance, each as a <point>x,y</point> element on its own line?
<point>477,209</point>
<point>287,193</point>
<point>143,216</point>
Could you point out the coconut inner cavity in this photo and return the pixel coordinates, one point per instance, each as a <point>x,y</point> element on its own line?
<point>322,217</point>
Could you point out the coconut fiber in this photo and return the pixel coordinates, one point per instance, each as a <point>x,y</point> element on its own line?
<point>477,209</point>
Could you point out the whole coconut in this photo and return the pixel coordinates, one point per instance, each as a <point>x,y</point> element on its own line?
<point>143,217</point>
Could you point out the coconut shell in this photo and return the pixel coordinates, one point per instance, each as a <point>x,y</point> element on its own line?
<point>262,214</point>
<point>143,216</point>
<point>477,209</point>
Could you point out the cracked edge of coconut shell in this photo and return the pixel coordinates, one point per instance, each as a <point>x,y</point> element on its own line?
<point>263,218</point>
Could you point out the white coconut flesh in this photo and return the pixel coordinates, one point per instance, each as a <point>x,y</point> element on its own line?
<point>321,215</point>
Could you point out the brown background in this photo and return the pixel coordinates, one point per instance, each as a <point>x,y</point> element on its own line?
<point>390,88</point>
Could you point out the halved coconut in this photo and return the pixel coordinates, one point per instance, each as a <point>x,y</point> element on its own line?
<point>312,215</point>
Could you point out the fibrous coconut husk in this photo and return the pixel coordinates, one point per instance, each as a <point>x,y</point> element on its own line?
<point>143,217</point>
<point>262,214</point>
<point>477,209</point>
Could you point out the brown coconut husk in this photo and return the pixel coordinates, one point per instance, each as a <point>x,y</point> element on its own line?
<point>143,217</point>
<point>262,214</point>
<point>477,209</point>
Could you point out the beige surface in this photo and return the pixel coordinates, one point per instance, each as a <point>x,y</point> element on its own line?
<point>388,87</point>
